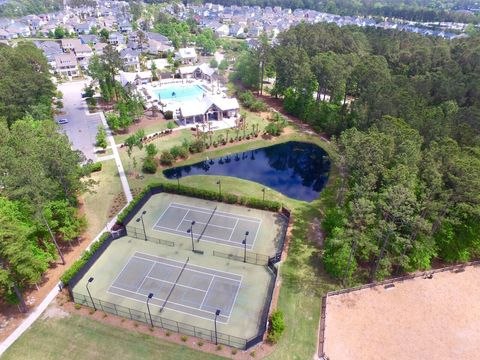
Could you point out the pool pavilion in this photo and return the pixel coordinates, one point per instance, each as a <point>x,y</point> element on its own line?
<point>208,108</point>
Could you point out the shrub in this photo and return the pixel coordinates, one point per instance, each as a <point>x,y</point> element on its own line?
<point>219,347</point>
<point>273,129</point>
<point>166,158</point>
<point>77,306</point>
<point>197,146</point>
<point>151,150</point>
<point>168,333</point>
<point>80,263</point>
<point>175,151</point>
<point>184,338</point>
<point>200,343</point>
<point>91,167</point>
<point>277,326</point>
<point>91,311</point>
<point>149,165</point>
<point>168,115</point>
<point>234,351</point>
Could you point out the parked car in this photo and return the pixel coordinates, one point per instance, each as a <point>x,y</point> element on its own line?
<point>62,121</point>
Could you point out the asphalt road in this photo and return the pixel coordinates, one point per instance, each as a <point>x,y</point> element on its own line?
<point>81,128</point>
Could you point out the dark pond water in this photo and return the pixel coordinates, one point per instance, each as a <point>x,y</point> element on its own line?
<point>297,170</point>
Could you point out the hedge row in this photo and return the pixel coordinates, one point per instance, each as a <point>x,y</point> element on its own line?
<point>80,263</point>
<point>202,194</point>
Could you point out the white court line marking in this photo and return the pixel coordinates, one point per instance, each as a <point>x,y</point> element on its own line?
<point>190,269</point>
<point>180,223</point>
<point>204,237</point>
<point>209,224</point>
<point>169,282</point>
<point>233,230</point>
<point>256,234</point>
<point>209,211</point>
<point>161,216</point>
<point>159,306</point>
<point>124,266</point>
<point>208,289</point>
<point>168,302</point>
<point>234,300</point>
<point>151,268</point>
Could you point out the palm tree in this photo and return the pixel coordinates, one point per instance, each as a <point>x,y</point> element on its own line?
<point>226,135</point>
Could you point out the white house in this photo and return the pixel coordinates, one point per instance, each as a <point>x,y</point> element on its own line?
<point>186,56</point>
<point>208,108</point>
<point>130,58</point>
<point>200,72</point>
<point>66,65</point>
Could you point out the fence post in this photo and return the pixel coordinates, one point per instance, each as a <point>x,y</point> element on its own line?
<point>100,302</point>
<point>130,313</point>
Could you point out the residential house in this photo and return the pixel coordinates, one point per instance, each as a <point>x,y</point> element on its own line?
<point>156,47</point>
<point>186,56</point>
<point>98,48</point>
<point>89,39</point>
<point>116,39</point>
<point>135,78</point>
<point>66,65</point>
<point>222,30</point>
<point>130,59</point>
<point>83,52</point>
<point>208,108</point>
<point>84,28</point>
<point>236,30</point>
<point>50,49</point>
<point>6,35</point>
<point>125,27</point>
<point>200,72</point>
<point>19,29</point>
<point>68,45</point>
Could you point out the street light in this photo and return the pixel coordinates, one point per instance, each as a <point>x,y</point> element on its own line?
<point>143,224</point>
<point>263,191</point>
<point>191,234</point>
<point>219,183</point>
<point>150,296</point>
<point>244,242</point>
<point>88,290</point>
<point>215,322</point>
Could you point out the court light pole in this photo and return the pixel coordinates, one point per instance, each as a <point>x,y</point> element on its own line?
<point>219,183</point>
<point>150,296</point>
<point>215,322</point>
<point>244,242</point>
<point>89,294</point>
<point>143,224</point>
<point>263,191</point>
<point>191,234</point>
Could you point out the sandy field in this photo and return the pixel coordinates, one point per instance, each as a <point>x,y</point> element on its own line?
<point>421,318</point>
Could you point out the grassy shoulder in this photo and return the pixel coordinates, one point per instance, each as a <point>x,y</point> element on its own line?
<point>78,337</point>
<point>104,199</point>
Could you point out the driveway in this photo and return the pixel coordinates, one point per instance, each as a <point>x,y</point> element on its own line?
<point>81,128</point>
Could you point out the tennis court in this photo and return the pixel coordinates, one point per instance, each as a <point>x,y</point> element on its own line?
<point>179,286</point>
<point>210,225</point>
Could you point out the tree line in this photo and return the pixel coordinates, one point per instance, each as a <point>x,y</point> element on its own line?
<point>403,112</point>
<point>40,175</point>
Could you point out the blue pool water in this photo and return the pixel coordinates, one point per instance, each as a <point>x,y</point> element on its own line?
<point>297,170</point>
<point>180,93</point>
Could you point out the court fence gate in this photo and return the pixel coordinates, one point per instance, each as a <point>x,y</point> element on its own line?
<point>166,324</point>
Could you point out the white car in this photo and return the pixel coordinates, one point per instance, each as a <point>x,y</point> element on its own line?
<point>62,121</point>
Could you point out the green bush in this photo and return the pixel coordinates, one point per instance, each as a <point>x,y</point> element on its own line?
<point>80,263</point>
<point>277,326</point>
<point>170,125</point>
<point>149,165</point>
<point>197,146</point>
<point>91,167</point>
<point>132,204</point>
<point>179,151</point>
<point>166,158</point>
<point>273,129</point>
<point>168,115</point>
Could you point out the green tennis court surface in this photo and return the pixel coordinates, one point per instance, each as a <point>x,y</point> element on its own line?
<point>190,289</point>
<point>210,225</point>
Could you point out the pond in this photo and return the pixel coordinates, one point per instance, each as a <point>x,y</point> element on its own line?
<point>296,169</point>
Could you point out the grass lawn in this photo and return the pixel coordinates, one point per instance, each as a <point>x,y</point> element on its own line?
<point>77,337</point>
<point>104,195</point>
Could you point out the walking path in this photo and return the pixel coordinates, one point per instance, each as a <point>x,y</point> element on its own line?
<point>121,171</point>
<point>34,315</point>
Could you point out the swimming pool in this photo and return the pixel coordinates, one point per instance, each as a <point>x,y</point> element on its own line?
<point>180,93</point>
